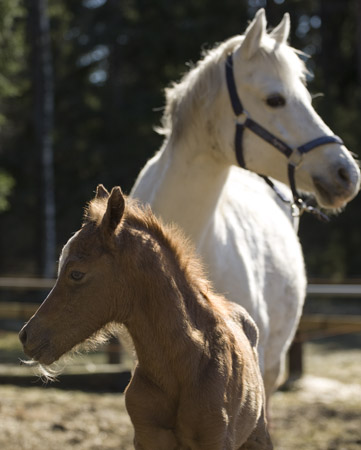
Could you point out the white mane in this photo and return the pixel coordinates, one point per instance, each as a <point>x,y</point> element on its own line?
<point>198,86</point>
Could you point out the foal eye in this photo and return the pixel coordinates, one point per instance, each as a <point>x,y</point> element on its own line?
<point>76,275</point>
<point>275,101</point>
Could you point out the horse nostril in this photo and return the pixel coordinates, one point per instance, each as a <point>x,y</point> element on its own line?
<point>343,175</point>
<point>23,336</point>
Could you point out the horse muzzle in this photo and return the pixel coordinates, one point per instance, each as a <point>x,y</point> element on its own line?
<point>36,346</point>
<point>336,187</point>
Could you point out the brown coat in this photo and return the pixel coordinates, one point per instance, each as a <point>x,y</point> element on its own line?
<point>197,384</point>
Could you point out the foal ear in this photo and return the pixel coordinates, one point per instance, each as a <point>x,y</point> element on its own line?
<point>282,31</point>
<point>114,212</point>
<point>254,34</point>
<point>101,192</point>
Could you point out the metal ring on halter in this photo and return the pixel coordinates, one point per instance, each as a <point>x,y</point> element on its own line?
<point>242,118</point>
<point>296,158</point>
<point>298,207</point>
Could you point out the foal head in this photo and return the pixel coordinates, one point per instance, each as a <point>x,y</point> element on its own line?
<point>270,80</point>
<point>83,300</point>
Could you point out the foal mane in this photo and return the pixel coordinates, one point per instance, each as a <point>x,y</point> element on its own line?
<point>170,236</point>
<point>202,82</point>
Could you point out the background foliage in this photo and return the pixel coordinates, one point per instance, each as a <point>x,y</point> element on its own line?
<point>111,61</point>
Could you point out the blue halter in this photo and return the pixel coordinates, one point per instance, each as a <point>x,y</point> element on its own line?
<point>294,155</point>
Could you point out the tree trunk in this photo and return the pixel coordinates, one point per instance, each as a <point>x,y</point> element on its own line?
<point>358,12</point>
<point>44,114</point>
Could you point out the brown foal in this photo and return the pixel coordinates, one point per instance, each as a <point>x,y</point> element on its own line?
<point>197,383</point>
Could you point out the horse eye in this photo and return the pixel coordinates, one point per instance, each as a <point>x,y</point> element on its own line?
<point>76,275</point>
<point>276,101</point>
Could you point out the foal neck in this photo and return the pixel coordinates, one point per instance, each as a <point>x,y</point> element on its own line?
<point>170,318</point>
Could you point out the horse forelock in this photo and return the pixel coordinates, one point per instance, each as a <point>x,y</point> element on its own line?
<point>95,210</point>
<point>286,60</point>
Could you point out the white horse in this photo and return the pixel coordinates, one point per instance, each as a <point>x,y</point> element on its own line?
<point>238,224</point>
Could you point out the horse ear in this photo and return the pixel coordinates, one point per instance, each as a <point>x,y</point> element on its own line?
<point>101,192</point>
<point>282,31</point>
<point>114,212</point>
<point>254,34</point>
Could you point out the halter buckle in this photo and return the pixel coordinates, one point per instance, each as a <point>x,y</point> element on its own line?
<point>296,158</point>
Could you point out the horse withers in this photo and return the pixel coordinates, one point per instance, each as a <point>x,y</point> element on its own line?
<point>197,383</point>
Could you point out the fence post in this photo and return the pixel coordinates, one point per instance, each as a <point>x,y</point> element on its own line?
<point>114,350</point>
<point>295,359</point>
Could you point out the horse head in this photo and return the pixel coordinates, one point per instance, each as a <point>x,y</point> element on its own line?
<point>279,126</point>
<point>83,300</point>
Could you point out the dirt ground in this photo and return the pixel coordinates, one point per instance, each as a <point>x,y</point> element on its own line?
<point>322,412</point>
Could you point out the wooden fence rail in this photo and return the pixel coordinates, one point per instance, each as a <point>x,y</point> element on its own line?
<point>17,310</point>
<point>312,326</point>
<point>316,326</point>
<point>26,283</point>
<point>313,289</point>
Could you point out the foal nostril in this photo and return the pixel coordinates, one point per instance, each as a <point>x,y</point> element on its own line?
<point>23,336</point>
<point>344,175</point>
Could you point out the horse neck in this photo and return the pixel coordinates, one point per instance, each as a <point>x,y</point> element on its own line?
<point>162,322</point>
<point>187,181</point>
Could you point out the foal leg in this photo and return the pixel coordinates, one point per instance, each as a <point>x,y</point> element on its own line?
<point>151,413</point>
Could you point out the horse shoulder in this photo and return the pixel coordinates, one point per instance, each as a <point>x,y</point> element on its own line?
<point>253,254</point>
<point>266,222</point>
<point>244,237</point>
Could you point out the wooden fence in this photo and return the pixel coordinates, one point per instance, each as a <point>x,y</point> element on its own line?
<point>312,326</point>
<point>316,326</point>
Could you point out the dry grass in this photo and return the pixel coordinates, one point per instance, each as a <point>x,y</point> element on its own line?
<point>322,413</point>
<point>37,418</point>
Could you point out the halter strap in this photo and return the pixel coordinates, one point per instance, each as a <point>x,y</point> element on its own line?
<point>232,88</point>
<point>294,155</point>
<point>320,141</point>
